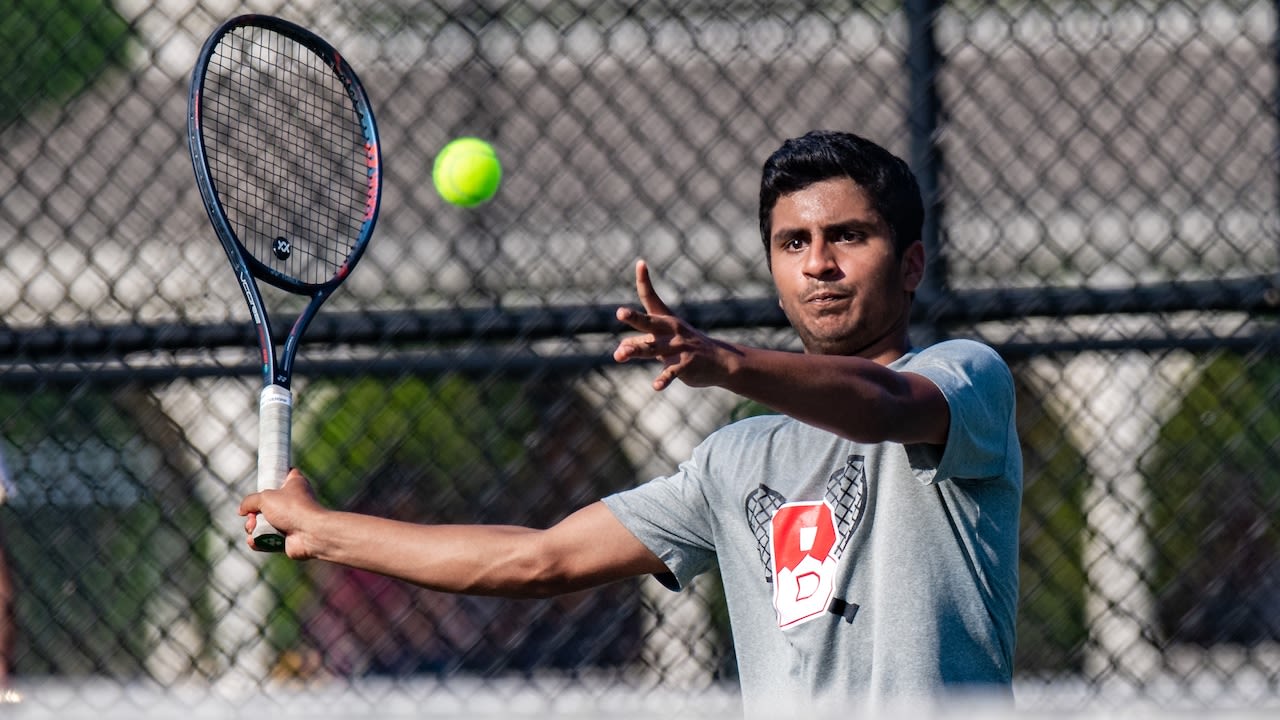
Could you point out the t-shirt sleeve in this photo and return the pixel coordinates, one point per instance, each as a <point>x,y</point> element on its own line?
<point>670,516</point>
<point>978,387</point>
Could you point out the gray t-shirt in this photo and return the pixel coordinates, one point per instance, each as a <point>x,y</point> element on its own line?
<point>877,572</point>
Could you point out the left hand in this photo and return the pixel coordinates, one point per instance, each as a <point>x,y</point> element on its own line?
<point>687,353</point>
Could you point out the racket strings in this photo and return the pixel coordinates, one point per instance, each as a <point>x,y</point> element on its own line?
<point>286,153</point>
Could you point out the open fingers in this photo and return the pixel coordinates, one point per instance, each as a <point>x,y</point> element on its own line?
<point>656,316</point>
<point>640,346</point>
<point>648,294</point>
<point>666,377</point>
<point>660,327</point>
<point>648,348</point>
<point>660,335</point>
<point>654,325</point>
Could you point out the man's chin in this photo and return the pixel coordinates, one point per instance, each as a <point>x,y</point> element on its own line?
<point>819,345</point>
<point>852,344</point>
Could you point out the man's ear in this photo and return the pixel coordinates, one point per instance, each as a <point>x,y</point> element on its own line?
<point>913,266</point>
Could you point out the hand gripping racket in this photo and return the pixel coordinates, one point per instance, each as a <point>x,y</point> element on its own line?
<point>286,156</point>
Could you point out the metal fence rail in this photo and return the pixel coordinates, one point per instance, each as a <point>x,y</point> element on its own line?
<point>1102,182</point>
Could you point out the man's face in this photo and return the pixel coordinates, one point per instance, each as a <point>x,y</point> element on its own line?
<point>838,279</point>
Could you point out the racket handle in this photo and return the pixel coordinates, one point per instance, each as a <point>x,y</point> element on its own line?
<point>275,411</point>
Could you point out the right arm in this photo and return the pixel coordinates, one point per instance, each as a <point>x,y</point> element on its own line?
<point>588,548</point>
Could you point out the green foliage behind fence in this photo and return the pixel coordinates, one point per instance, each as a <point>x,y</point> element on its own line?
<point>50,50</point>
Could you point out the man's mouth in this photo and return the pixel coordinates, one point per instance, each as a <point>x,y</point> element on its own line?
<point>825,296</point>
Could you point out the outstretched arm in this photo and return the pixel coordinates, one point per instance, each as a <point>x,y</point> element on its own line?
<point>853,397</point>
<point>588,548</point>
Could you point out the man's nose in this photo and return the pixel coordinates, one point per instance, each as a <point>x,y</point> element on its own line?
<point>820,261</point>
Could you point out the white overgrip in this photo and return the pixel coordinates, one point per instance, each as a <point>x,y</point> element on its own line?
<point>275,416</point>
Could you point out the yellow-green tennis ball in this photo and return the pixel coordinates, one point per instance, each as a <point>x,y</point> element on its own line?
<point>467,172</point>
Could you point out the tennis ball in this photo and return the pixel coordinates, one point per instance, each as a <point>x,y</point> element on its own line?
<point>467,172</point>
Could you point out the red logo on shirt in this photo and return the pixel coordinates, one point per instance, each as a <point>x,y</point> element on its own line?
<point>800,543</point>
<point>803,535</point>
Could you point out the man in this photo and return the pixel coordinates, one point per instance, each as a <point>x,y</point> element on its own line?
<point>866,535</point>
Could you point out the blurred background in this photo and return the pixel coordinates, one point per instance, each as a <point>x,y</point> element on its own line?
<point>1102,186</point>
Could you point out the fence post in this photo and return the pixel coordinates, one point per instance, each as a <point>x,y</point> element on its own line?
<point>1113,405</point>
<point>924,63</point>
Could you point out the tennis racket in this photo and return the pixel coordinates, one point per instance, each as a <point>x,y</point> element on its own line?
<point>286,157</point>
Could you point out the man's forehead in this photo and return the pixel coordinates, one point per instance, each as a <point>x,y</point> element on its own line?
<point>834,202</point>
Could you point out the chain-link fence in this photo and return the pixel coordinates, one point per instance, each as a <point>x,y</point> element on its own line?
<point>1102,181</point>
